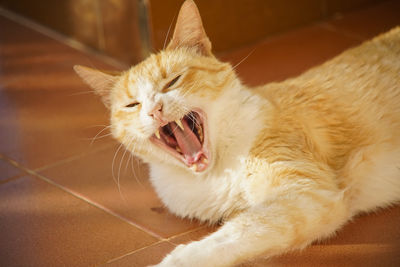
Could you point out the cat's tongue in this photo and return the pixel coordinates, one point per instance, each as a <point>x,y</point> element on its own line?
<point>188,142</point>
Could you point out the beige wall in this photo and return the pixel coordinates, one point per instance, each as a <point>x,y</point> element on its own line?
<point>129,29</point>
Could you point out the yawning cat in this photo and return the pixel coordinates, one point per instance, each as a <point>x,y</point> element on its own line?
<point>281,165</point>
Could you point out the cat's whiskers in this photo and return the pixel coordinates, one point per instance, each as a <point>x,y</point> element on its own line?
<point>120,166</point>
<point>102,130</point>
<point>243,59</point>
<point>112,167</point>
<point>83,93</point>
<point>132,147</point>
<point>131,159</point>
<point>190,86</point>
<point>169,29</point>
<point>97,138</point>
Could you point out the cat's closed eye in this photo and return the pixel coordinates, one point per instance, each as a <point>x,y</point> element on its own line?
<point>131,105</point>
<point>171,83</point>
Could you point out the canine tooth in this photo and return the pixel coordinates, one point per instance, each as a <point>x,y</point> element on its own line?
<point>205,160</point>
<point>178,149</point>
<point>200,132</point>
<point>194,167</point>
<point>157,133</point>
<point>179,123</point>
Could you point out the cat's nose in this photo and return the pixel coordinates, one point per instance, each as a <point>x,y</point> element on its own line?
<point>156,112</point>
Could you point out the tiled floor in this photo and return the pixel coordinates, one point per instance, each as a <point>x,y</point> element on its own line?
<point>59,200</point>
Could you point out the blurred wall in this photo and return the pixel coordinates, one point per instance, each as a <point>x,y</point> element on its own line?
<point>129,29</point>
<point>109,26</point>
<point>234,23</point>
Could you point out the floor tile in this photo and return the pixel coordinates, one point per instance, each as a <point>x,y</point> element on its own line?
<point>42,225</point>
<point>31,60</point>
<point>46,112</point>
<point>7,170</point>
<point>155,253</point>
<point>92,176</point>
<point>288,54</point>
<point>145,257</point>
<point>40,127</point>
<point>369,22</point>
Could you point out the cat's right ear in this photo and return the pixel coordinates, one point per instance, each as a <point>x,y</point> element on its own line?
<point>189,30</point>
<point>101,82</point>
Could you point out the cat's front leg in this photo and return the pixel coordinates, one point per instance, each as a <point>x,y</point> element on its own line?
<point>267,229</point>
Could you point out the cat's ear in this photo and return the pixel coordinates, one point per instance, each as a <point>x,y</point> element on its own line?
<point>189,30</point>
<point>102,82</point>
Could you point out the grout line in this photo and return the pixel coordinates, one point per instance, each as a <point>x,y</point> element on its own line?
<point>167,240</point>
<point>14,177</point>
<point>61,38</point>
<point>330,27</point>
<point>57,163</point>
<point>10,179</point>
<point>133,252</point>
<point>184,233</point>
<point>97,205</point>
<point>87,200</point>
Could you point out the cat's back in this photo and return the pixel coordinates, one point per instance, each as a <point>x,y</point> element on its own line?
<point>369,72</point>
<point>348,102</point>
<point>344,113</point>
<point>362,84</point>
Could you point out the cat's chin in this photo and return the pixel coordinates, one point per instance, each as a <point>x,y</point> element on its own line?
<point>187,140</point>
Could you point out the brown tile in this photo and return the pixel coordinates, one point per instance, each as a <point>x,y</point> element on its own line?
<point>382,227</point>
<point>369,22</point>
<point>41,225</point>
<point>92,176</point>
<point>7,170</point>
<point>288,54</point>
<point>41,127</point>
<point>155,253</point>
<point>144,257</point>
<point>47,114</point>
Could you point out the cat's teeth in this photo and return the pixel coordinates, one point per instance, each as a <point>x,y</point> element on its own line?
<point>194,167</point>
<point>200,132</point>
<point>178,149</point>
<point>157,133</point>
<point>205,161</point>
<point>179,123</point>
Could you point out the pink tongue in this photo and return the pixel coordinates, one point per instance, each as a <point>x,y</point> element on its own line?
<point>187,141</point>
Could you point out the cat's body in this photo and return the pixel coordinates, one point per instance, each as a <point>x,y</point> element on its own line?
<point>281,165</point>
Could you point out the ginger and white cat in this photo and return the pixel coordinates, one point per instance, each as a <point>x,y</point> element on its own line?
<point>281,165</point>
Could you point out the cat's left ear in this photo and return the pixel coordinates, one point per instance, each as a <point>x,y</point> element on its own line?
<point>189,30</point>
<point>102,82</point>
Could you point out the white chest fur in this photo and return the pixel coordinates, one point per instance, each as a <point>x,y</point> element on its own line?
<point>209,197</point>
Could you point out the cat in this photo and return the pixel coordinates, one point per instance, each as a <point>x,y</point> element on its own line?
<point>279,165</point>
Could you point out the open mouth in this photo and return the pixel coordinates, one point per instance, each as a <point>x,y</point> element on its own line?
<point>186,139</point>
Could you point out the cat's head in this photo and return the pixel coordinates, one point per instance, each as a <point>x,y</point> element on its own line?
<point>165,108</point>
